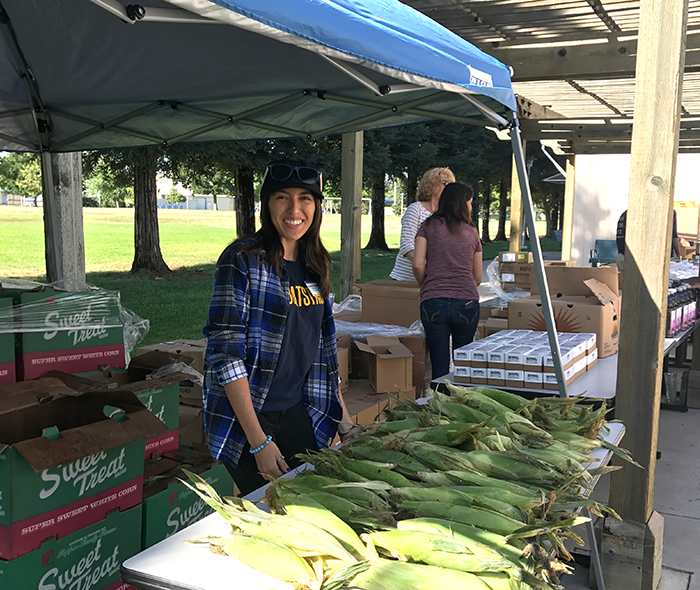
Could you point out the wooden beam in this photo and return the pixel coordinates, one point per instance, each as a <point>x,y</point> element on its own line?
<point>516,209</point>
<point>63,220</point>
<point>568,223</point>
<point>529,109</point>
<point>350,212</point>
<point>608,59</point>
<point>648,238</point>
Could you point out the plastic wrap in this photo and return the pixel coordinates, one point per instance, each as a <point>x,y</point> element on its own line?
<point>80,315</point>
<point>350,303</point>
<point>360,331</point>
<point>682,270</point>
<point>175,369</point>
<point>497,286</point>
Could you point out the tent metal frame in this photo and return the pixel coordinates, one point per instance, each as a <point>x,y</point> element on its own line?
<point>41,124</point>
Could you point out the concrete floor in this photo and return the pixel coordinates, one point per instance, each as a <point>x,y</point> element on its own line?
<point>676,498</point>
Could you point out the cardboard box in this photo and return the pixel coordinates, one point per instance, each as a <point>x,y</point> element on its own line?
<point>583,299</point>
<point>390,364</point>
<point>515,378</point>
<point>344,344</point>
<point>493,325</point>
<point>79,332</point>
<point>168,442</point>
<point>191,428</point>
<point>7,342</point>
<point>479,376</point>
<point>533,378</point>
<point>363,403</point>
<point>390,302</point>
<point>525,257</point>
<point>160,396</point>
<point>417,346</point>
<point>462,374</point>
<point>559,263</point>
<point>88,559</point>
<point>496,377</point>
<point>190,392</point>
<point>67,459</point>
<point>168,504</point>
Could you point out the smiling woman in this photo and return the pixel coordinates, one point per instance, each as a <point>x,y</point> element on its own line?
<point>271,370</point>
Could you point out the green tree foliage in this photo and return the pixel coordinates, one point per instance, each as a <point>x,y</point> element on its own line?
<point>108,186</point>
<point>174,196</point>
<point>20,174</point>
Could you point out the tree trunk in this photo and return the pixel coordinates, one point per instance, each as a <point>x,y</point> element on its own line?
<point>502,211</point>
<point>560,224</point>
<point>377,238</point>
<point>550,215</point>
<point>411,188</point>
<point>245,203</point>
<point>487,213</point>
<point>475,210</point>
<point>147,253</point>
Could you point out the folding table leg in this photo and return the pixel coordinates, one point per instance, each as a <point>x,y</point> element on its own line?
<point>595,555</point>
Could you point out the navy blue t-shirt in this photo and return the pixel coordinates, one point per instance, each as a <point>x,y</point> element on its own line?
<point>302,334</point>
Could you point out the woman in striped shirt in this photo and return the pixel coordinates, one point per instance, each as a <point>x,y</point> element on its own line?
<point>429,191</point>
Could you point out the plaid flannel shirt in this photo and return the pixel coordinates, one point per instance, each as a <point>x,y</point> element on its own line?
<point>244,333</point>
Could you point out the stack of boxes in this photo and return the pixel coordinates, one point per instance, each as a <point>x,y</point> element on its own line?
<point>89,455</point>
<point>517,272</point>
<point>522,359</point>
<point>378,366</point>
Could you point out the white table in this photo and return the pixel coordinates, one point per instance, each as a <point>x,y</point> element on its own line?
<point>174,564</point>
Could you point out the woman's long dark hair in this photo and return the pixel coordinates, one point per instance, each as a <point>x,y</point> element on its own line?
<point>311,250</point>
<point>453,207</point>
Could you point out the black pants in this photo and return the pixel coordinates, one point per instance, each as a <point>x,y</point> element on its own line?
<point>291,430</point>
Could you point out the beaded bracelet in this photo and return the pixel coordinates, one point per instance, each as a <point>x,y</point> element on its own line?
<point>262,446</point>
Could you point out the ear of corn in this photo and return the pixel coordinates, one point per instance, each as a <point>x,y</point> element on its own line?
<point>274,559</point>
<point>478,517</point>
<point>398,575</point>
<point>377,471</point>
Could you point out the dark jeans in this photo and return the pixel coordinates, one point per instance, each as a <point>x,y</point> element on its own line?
<point>291,430</point>
<point>443,318</point>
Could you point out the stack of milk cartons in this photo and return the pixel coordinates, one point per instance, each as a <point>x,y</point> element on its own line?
<point>523,359</point>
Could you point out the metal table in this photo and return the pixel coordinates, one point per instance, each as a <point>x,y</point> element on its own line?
<point>174,564</point>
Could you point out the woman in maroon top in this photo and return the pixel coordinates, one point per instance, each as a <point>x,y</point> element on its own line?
<point>447,266</point>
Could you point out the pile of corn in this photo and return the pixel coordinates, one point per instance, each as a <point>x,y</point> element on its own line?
<point>477,490</point>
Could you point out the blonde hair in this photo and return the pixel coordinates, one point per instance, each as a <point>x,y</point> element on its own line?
<point>431,180</point>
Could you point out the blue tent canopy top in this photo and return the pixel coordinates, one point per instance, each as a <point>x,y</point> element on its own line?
<point>76,76</point>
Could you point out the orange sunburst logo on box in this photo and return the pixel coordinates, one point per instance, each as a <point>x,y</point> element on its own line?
<point>564,318</point>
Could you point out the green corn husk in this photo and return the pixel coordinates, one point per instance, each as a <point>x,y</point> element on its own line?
<point>377,471</point>
<point>585,445</point>
<point>384,574</point>
<point>478,517</point>
<point>437,457</point>
<point>485,404</point>
<point>446,495</point>
<point>435,478</point>
<point>504,495</point>
<point>433,549</point>
<point>447,435</point>
<point>308,510</point>
<point>477,479</point>
<point>362,496</point>
<point>505,466</point>
<point>268,557</point>
<point>509,400</point>
<point>500,581</point>
<point>477,540</point>
<point>372,450</point>
<point>397,425</point>
<point>442,404</point>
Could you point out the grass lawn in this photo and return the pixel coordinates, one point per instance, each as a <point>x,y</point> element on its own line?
<point>191,242</point>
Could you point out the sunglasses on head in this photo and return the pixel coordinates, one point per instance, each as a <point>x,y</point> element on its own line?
<point>306,174</point>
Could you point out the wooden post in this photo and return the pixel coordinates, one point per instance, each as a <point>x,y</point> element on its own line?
<point>660,64</point>
<point>568,224</point>
<point>516,209</point>
<point>350,212</point>
<point>63,220</point>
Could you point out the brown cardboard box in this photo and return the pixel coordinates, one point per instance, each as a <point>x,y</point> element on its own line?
<point>515,257</point>
<point>390,364</point>
<point>192,428</point>
<point>344,343</point>
<point>390,302</point>
<point>416,344</point>
<point>559,263</point>
<point>190,392</point>
<point>362,402</point>
<point>583,299</point>
<point>493,325</point>
<point>498,312</point>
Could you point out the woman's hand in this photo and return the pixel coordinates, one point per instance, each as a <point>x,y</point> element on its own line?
<point>270,461</point>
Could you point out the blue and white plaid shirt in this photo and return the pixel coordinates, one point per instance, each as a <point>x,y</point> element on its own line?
<point>244,333</point>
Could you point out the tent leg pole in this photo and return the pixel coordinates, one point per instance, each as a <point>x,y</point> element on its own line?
<point>547,310</point>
